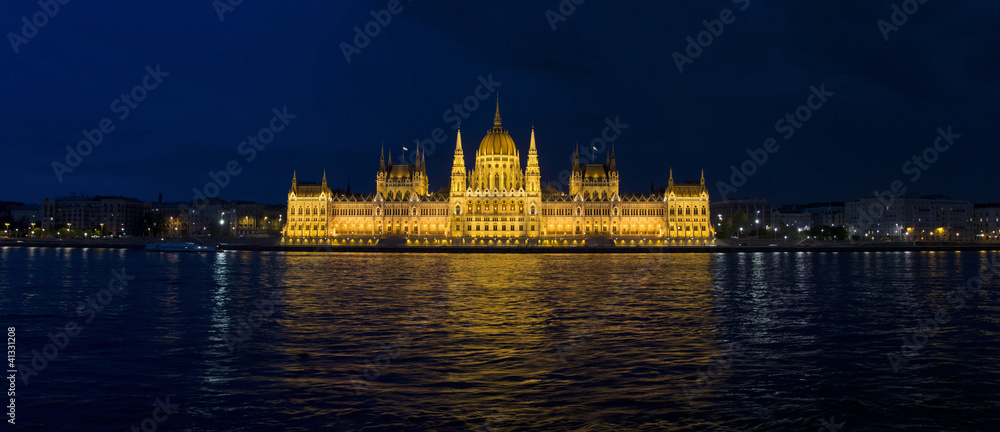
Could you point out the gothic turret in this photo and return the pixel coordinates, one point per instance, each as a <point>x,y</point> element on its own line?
<point>532,174</point>
<point>458,168</point>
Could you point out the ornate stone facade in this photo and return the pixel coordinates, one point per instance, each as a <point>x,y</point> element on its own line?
<point>497,202</point>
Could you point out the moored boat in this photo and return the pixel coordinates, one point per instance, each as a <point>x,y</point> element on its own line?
<point>180,247</point>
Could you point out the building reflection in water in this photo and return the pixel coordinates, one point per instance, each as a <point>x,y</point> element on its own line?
<point>496,336</point>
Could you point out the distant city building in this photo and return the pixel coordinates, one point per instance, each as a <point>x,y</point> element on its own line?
<point>986,221</point>
<point>217,217</point>
<point>112,215</point>
<point>255,219</point>
<point>173,216</point>
<point>759,214</point>
<point>6,207</point>
<point>911,218</point>
<point>793,216</point>
<point>498,202</point>
<point>122,216</point>
<point>827,213</point>
<point>27,214</point>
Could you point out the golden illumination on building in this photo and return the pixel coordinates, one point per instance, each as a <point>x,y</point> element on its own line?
<point>498,203</point>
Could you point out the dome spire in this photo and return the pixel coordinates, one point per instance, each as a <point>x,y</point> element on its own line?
<point>496,119</point>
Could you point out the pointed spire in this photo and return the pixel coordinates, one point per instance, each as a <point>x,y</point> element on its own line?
<point>576,155</point>
<point>612,161</point>
<point>703,176</point>
<point>381,159</point>
<point>496,119</point>
<point>670,183</point>
<point>324,178</point>
<point>459,161</point>
<point>294,182</point>
<point>459,178</point>
<point>531,148</point>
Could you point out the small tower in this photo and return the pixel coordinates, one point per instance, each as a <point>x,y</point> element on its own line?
<point>614,168</point>
<point>383,174</point>
<point>533,175</point>
<point>458,168</point>
<point>576,179</point>
<point>456,198</point>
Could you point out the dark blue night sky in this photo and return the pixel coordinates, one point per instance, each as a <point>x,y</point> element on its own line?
<point>221,80</point>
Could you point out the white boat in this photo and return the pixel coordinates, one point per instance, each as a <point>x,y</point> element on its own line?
<point>180,247</point>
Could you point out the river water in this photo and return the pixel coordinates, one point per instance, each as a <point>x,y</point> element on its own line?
<point>257,341</point>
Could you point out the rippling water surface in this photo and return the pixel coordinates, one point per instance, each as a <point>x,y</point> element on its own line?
<point>247,341</point>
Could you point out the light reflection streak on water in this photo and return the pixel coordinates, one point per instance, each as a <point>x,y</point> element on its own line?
<point>216,369</point>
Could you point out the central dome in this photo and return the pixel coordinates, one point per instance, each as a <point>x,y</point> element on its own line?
<point>497,141</point>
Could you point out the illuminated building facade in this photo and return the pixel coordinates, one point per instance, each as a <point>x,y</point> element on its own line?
<point>498,202</point>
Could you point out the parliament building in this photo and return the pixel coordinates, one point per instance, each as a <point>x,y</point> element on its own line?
<point>499,203</point>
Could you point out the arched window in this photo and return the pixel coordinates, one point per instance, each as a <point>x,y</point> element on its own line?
<point>458,209</point>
